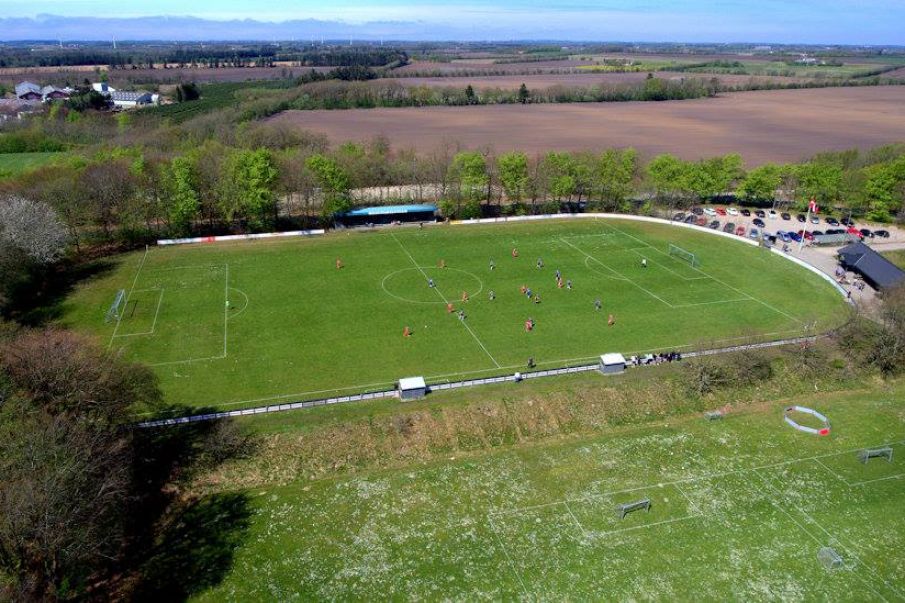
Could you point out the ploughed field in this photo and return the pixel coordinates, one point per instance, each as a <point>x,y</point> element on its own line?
<point>296,327</point>
<point>585,80</point>
<point>775,125</point>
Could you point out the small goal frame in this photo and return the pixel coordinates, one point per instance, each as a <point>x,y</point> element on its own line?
<point>676,251</point>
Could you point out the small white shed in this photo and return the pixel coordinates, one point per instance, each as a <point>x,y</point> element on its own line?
<point>412,388</point>
<point>611,364</point>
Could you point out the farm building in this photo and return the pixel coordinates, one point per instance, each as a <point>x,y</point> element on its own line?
<point>387,214</point>
<point>28,91</point>
<point>876,270</point>
<point>130,100</point>
<point>49,93</point>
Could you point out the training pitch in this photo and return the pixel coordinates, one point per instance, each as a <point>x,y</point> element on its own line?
<point>246,324</point>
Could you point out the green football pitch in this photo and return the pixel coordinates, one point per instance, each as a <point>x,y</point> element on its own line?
<point>246,324</point>
<point>739,511</point>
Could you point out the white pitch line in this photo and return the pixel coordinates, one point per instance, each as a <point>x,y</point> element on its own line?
<point>126,301</point>
<point>446,301</point>
<point>153,324</point>
<point>721,301</point>
<point>508,557</point>
<point>716,280</point>
<point>575,519</point>
<point>655,296</point>
<point>225,309</point>
<point>879,479</point>
<point>664,267</point>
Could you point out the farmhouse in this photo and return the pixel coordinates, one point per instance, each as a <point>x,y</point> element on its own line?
<point>49,93</point>
<point>131,100</point>
<point>876,270</point>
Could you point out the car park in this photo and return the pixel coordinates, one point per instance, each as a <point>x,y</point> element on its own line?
<point>709,211</point>
<point>731,211</point>
<point>801,218</point>
<point>785,216</point>
<point>772,214</point>
<point>758,222</point>
<point>883,234</point>
<point>715,224</point>
<point>866,233</point>
<point>729,227</point>
<point>679,217</point>
<point>746,212</point>
<point>760,213</point>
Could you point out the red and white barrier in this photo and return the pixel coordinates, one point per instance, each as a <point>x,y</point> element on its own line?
<point>245,237</point>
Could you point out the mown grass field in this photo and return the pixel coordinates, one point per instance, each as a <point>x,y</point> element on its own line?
<point>739,510</point>
<point>896,257</point>
<point>296,327</point>
<point>12,164</point>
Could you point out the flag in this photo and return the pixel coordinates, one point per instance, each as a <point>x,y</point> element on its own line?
<point>812,206</point>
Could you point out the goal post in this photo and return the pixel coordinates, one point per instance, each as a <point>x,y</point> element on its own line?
<point>116,307</point>
<point>682,254</point>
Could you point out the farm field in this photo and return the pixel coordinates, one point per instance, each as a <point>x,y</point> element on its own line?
<point>297,327</point>
<point>763,126</point>
<point>739,510</point>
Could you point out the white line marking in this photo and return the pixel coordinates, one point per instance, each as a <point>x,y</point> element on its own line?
<point>508,558</point>
<point>575,519</point>
<point>126,301</point>
<point>879,479</point>
<point>243,294</point>
<point>648,525</point>
<point>721,301</point>
<point>655,296</point>
<point>153,324</point>
<point>443,297</point>
<point>225,309</point>
<point>663,266</point>
<point>716,280</point>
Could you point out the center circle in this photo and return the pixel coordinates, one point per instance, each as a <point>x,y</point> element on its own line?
<point>411,285</point>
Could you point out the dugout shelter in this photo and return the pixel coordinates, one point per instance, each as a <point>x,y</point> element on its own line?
<point>387,214</point>
<point>877,271</point>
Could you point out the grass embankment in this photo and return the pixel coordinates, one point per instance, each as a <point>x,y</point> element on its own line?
<point>13,164</point>
<point>896,257</point>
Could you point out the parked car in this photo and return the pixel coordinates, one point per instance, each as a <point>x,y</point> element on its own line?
<point>772,214</point>
<point>815,220</point>
<point>883,234</point>
<point>834,231</point>
<point>795,236</point>
<point>715,224</point>
<point>720,211</point>
<point>854,231</point>
<point>770,238</point>
<point>697,211</point>
<point>816,233</point>
<point>740,231</point>
<point>760,213</point>
<point>731,211</point>
<point>729,227</point>
<point>753,233</point>
<point>801,218</point>
<point>709,211</point>
<point>832,221</point>
<point>689,219</point>
<point>746,212</point>
<point>809,236</point>
<point>679,217</point>
<point>847,222</point>
<point>785,216</point>
<point>758,222</point>
<point>701,221</point>
<point>783,236</point>
<point>865,233</point>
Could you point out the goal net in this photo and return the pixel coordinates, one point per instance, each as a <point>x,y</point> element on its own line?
<point>678,252</point>
<point>116,307</point>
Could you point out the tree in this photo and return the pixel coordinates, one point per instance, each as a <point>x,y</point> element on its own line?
<point>470,97</point>
<point>65,467</point>
<point>820,181</point>
<point>513,168</point>
<point>247,187</point>
<point>761,183</point>
<point>333,181</point>
<point>670,176</point>
<point>523,95</point>
<point>561,169</point>
<point>883,189</point>
<point>613,176</point>
<point>469,171</point>
<point>180,186</point>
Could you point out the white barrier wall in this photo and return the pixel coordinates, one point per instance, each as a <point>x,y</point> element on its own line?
<point>245,237</point>
<point>711,231</point>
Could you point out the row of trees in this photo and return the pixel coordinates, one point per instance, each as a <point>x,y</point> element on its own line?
<point>277,178</point>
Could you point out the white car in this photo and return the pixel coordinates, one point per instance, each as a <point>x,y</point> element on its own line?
<point>732,211</point>
<point>772,214</point>
<point>709,211</point>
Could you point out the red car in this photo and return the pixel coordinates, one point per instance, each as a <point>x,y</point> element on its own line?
<point>721,211</point>
<point>701,221</point>
<point>854,231</point>
<point>740,231</point>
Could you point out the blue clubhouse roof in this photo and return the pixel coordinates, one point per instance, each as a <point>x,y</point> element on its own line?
<point>383,210</point>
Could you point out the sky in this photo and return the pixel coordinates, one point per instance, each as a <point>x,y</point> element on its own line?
<point>879,22</point>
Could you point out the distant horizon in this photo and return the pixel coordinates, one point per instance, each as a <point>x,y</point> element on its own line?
<point>770,22</point>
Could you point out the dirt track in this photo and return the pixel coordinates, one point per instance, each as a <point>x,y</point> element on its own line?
<point>777,125</point>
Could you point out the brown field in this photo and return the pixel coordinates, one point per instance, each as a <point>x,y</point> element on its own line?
<point>776,125</point>
<point>539,82</point>
<point>897,74</point>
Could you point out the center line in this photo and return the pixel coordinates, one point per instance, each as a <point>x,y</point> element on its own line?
<point>446,301</point>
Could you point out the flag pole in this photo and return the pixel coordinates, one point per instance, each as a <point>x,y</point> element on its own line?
<point>807,221</point>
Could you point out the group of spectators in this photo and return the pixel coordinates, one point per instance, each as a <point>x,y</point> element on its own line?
<point>654,358</point>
